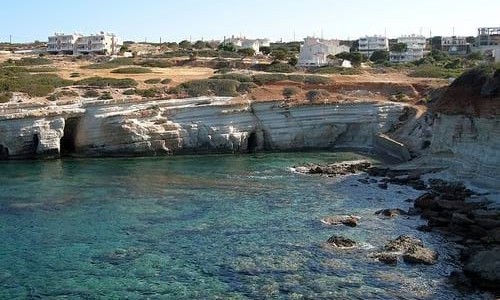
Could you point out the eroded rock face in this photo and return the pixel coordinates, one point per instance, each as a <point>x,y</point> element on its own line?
<point>403,243</point>
<point>197,125</point>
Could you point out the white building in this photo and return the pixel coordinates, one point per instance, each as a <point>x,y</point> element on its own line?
<point>487,40</point>
<point>315,51</point>
<point>101,43</point>
<point>61,43</point>
<point>415,49</point>
<point>370,44</point>
<point>496,55</point>
<point>454,45</point>
<point>255,44</point>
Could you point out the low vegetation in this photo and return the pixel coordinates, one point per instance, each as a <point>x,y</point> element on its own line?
<point>63,94</point>
<point>336,70</point>
<point>29,61</point>
<point>147,93</point>
<point>5,97</point>
<point>280,68</point>
<point>431,71</point>
<point>205,87</point>
<point>91,94</point>
<point>155,63</point>
<point>290,91</point>
<point>152,81</point>
<point>18,79</point>
<point>111,64</point>
<point>317,95</point>
<point>105,96</point>
<point>102,82</point>
<point>166,81</point>
<point>43,70</point>
<point>131,70</point>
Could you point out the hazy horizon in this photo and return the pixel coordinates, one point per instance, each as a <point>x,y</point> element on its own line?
<point>278,19</point>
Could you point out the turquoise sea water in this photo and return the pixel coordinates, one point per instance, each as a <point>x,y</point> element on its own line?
<point>202,227</point>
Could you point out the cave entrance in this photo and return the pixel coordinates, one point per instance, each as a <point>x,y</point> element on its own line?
<point>68,139</point>
<point>252,142</point>
<point>4,152</point>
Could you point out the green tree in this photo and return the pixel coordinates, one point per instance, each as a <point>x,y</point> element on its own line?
<point>265,50</point>
<point>399,48</point>
<point>436,43</point>
<point>290,91</point>
<point>200,45</point>
<point>185,44</point>
<point>356,58</point>
<point>379,56</point>
<point>279,54</point>
<point>246,52</point>
<point>227,47</point>
<point>293,60</point>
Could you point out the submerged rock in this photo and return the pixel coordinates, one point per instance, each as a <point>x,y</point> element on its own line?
<point>403,243</point>
<point>341,242</point>
<point>390,212</point>
<point>420,255</point>
<point>386,257</point>
<point>348,220</point>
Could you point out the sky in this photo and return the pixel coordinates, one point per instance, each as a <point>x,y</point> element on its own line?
<point>176,20</point>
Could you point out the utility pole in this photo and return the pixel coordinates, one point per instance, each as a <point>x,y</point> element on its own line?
<point>10,39</point>
<point>160,40</point>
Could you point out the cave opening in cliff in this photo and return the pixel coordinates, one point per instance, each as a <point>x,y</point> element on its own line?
<point>68,139</point>
<point>252,142</point>
<point>4,152</point>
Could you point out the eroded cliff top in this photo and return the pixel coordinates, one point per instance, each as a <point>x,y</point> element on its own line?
<point>476,93</point>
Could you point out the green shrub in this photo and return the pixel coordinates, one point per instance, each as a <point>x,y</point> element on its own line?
<point>175,53</point>
<point>246,87</point>
<point>430,71</point>
<point>152,81</point>
<point>91,94</point>
<point>131,70</point>
<point>280,68</point>
<point>105,96</point>
<point>32,61</point>
<point>290,91</point>
<point>121,61</point>
<point>105,82</point>
<point>296,78</point>
<point>205,87</point>
<point>261,79</point>
<point>233,76</point>
<point>155,63</point>
<point>148,93</point>
<point>316,95</point>
<point>129,92</point>
<point>5,97</point>
<point>207,53</point>
<point>311,79</point>
<point>229,54</point>
<point>166,81</point>
<point>15,79</point>
<point>61,94</point>
<point>74,74</point>
<point>43,69</point>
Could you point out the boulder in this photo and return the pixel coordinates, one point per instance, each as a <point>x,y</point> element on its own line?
<point>420,255</point>
<point>341,242</point>
<point>460,220</point>
<point>425,201</point>
<point>390,212</point>
<point>387,258</point>
<point>483,268</point>
<point>348,220</point>
<point>403,243</point>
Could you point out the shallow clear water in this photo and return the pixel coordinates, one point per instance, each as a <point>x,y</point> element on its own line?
<point>209,227</point>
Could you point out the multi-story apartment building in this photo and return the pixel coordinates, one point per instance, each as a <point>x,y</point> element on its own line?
<point>488,39</point>
<point>61,43</point>
<point>455,45</point>
<point>370,44</point>
<point>315,51</point>
<point>101,43</point>
<point>415,45</point>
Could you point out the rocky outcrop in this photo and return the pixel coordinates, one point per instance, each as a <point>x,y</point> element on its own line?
<point>348,220</point>
<point>200,125</point>
<point>344,168</point>
<point>341,242</point>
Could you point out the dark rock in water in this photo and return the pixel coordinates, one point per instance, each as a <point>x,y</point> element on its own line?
<point>403,243</point>
<point>425,201</point>
<point>460,280</point>
<point>341,242</point>
<point>420,255</point>
<point>364,181</point>
<point>449,190</point>
<point>390,212</point>
<point>460,219</point>
<point>483,268</point>
<point>387,258</point>
<point>424,228</point>
<point>383,186</point>
<point>120,256</point>
<point>487,223</point>
<point>413,211</point>
<point>348,220</point>
<point>372,180</point>
<point>343,168</point>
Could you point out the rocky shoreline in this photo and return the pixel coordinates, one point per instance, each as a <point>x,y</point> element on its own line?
<point>464,217</point>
